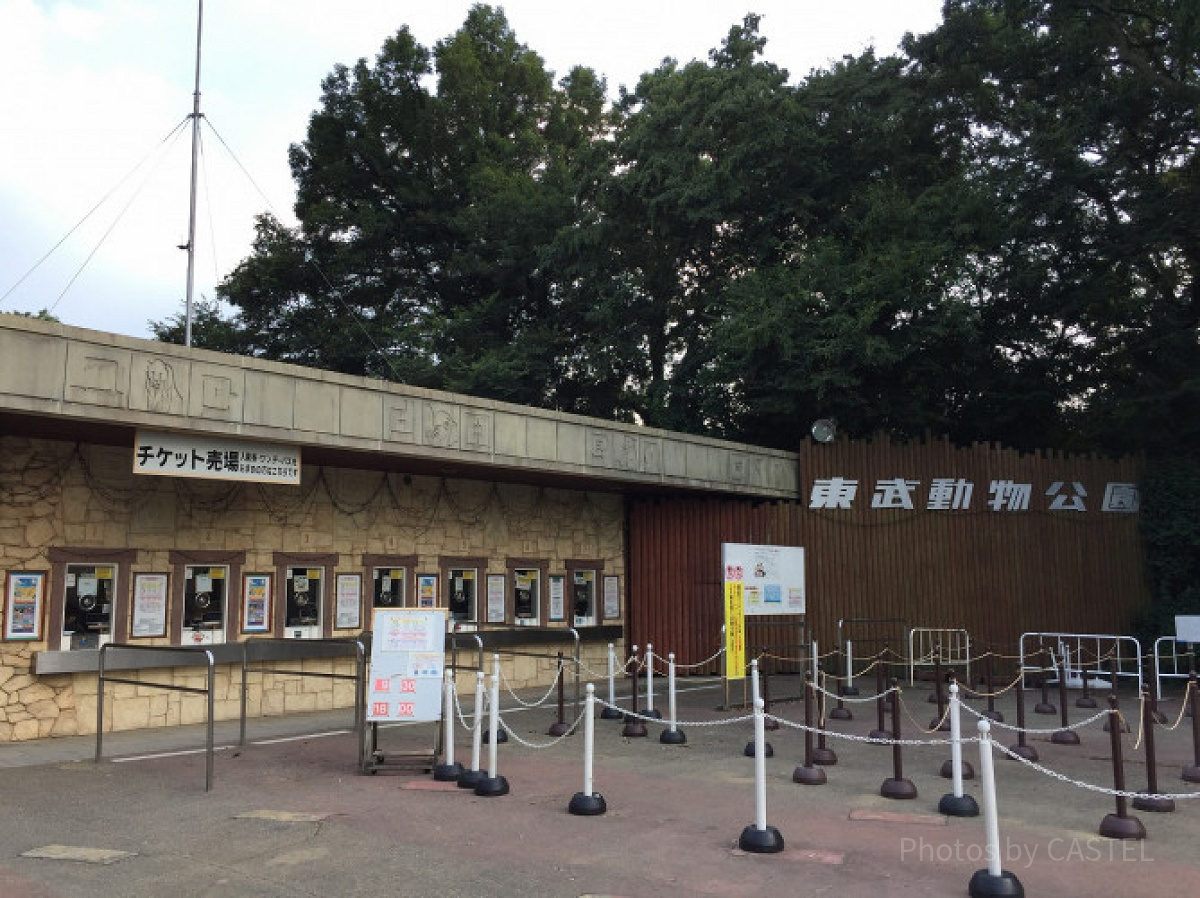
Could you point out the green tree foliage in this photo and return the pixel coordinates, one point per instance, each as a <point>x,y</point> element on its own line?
<point>209,329</point>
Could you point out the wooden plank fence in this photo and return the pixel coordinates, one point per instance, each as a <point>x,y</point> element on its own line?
<point>989,563</point>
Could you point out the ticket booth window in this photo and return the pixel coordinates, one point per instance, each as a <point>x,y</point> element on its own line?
<point>526,599</point>
<point>205,603</point>
<point>304,591</point>
<point>88,605</point>
<point>462,592</point>
<point>390,591</point>
<point>583,598</point>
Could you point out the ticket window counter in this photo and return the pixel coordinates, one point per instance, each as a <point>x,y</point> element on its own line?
<point>526,597</point>
<point>88,605</point>
<point>390,590</point>
<point>205,604</point>
<point>463,595</point>
<point>303,596</point>
<point>583,598</point>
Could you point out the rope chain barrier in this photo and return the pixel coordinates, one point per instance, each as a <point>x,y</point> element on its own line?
<point>1104,790</point>
<point>557,739</point>
<point>539,702</point>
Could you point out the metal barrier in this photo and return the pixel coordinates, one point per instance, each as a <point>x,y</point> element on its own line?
<point>953,648</point>
<point>169,657</point>
<point>1080,648</point>
<point>499,636</point>
<point>1173,672</point>
<point>268,648</point>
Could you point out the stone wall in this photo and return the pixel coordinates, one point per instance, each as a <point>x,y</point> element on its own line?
<point>56,495</point>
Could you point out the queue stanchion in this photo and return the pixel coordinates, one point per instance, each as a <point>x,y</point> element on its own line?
<point>501,734</point>
<point>935,697</point>
<point>765,685</point>
<point>1022,749</point>
<point>1066,735</point>
<point>1121,825</point>
<point>672,735</point>
<point>993,881</point>
<point>1045,706</point>
<point>841,712</point>
<point>650,710</point>
<point>1085,700</point>
<point>991,713</point>
<point>750,749</point>
<point>611,711</point>
<point>879,733</point>
<point>560,727</point>
<point>956,803</point>
<point>808,774</point>
<point>634,727</point>
<point>450,769</point>
<point>759,838</point>
<point>822,754</point>
<point>469,779</point>
<point>1120,721</point>
<point>849,688</point>
<point>493,784</point>
<point>1191,772</point>
<point>896,786</point>
<point>588,803</point>
<point>1151,799</point>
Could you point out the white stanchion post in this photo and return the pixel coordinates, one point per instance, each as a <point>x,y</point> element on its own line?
<point>993,880</point>
<point>650,712</point>
<point>492,735</point>
<point>755,697</point>
<point>493,783</point>
<point>611,712</point>
<point>815,663</point>
<point>849,688</point>
<point>759,837</point>
<point>672,735</point>
<point>449,769</point>
<point>588,803</point>
<point>469,779</point>
<point>956,804</point>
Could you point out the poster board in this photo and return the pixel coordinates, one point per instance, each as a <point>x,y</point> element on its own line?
<point>149,605</point>
<point>24,599</point>
<point>757,580</point>
<point>256,603</point>
<point>348,602</point>
<point>407,664</point>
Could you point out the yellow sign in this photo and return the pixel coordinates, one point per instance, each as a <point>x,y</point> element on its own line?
<point>735,632</point>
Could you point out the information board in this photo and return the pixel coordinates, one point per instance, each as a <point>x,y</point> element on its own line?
<point>772,577</point>
<point>407,664</point>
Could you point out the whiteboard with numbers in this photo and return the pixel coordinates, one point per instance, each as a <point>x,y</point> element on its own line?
<point>407,664</point>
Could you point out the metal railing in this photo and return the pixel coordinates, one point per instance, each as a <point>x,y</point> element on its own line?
<point>171,659</point>
<point>1079,653</point>
<point>953,648</point>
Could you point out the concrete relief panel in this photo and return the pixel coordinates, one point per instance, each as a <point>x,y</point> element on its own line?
<point>401,419</point>
<point>477,431</point>
<point>216,392</point>
<point>599,448</point>
<point>510,432</point>
<point>440,425</point>
<point>739,467</point>
<point>269,399</point>
<point>548,441</point>
<point>675,457</point>
<point>651,456</point>
<point>316,407</point>
<point>701,464</point>
<point>361,413</point>
<point>159,384</point>
<point>33,365</point>
<point>97,375</point>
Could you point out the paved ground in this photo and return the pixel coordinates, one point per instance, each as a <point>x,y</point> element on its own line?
<point>293,817</point>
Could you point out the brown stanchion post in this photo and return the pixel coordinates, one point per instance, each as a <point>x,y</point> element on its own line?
<point>634,727</point>
<point>559,727</point>
<point>1065,736</point>
<point>1044,706</point>
<point>1086,700</point>
<point>1191,772</point>
<point>991,713</point>
<point>935,697</point>
<point>1028,752</point>
<point>769,723</point>
<point>879,732</point>
<point>1119,825</point>
<point>823,754</point>
<point>841,712</point>
<point>896,786</point>
<point>808,774</point>
<point>1112,671</point>
<point>1151,799</point>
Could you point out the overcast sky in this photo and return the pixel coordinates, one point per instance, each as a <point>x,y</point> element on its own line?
<point>95,92</point>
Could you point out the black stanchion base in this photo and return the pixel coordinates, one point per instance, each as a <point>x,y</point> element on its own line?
<point>849,690</point>
<point>1044,708</point>
<point>987,885</point>
<point>654,714</point>
<point>558,728</point>
<point>995,716</point>
<point>768,751</point>
<point>633,729</point>
<point>1191,773</point>
<point>826,757</point>
<point>1028,752</point>
<point>501,736</point>
<point>1114,826</point>
<point>900,789</point>
<point>491,786</point>
<point>587,805</point>
<point>1065,737</point>
<point>841,714</point>
<point>761,841</point>
<point>612,714</point>
<point>672,737</point>
<point>958,805</point>
<point>445,773</point>
<point>1086,701</point>
<point>881,735</point>
<point>809,776</point>
<point>470,779</point>
<point>947,771</point>
<point>1146,801</point>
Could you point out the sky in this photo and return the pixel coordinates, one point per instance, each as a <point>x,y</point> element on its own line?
<point>95,135</point>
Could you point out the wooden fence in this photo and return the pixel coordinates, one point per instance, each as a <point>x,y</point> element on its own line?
<point>990,540</point>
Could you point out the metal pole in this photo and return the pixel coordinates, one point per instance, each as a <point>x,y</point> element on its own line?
<point>100,704</point>
<point>191,241</point>
<point>208,743</point>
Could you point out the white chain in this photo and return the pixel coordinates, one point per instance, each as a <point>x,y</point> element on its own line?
<point>552,742</point>
<point>1015,729</point>
<point>1121,793</point>
<point>850,737</point>
<point>848,698</point>
<point>679,723</point>
<point>709,660</point>
<point>517,698</point>
<point>457,707</point>
<point>599,675</point>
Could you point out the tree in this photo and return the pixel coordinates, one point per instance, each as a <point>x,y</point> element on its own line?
<point>209,329</point>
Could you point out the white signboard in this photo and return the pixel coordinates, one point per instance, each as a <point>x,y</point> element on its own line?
<point>772,577</point>
<point>407,664</point>
<point>214,458</point>
<point>1187,628</point>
